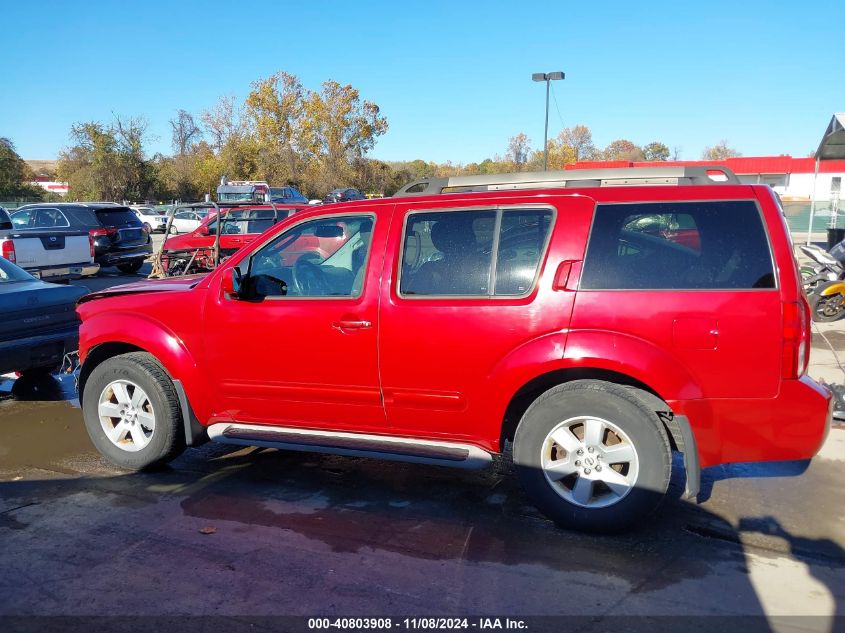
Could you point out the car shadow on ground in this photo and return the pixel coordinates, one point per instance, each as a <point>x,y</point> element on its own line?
<point>367,508</point>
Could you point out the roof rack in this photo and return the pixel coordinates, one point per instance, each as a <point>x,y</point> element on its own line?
<point>615,177</point>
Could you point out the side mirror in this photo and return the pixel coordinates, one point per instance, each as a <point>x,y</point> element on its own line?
<point>203,230</point>
<point>233,282</point>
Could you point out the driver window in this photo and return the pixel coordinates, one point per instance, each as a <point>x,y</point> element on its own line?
<point>326,257</point>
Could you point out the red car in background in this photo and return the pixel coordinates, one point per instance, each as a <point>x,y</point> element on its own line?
<point>241,224</point>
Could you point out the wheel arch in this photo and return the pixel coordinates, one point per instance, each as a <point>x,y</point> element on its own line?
<point>115,333</point>
<point>534,388</point>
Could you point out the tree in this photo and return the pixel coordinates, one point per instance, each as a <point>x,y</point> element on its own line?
<point>656,151</point>
<point>518,150</point>
<point>623,149</point>
<point>222,122</point>
<point>337,129</point>
<point>186,133</point>
<point>274,111</point>
<point>106,162</point>
<point>719,151</point>
<point>580,140</point>
<point>15,175</point>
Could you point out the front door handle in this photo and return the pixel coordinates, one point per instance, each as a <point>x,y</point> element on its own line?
<point>351,325</point>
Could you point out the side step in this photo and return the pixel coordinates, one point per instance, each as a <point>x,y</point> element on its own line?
<point>401,449</point>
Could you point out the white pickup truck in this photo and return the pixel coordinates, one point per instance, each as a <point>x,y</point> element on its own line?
<point>51,254</point>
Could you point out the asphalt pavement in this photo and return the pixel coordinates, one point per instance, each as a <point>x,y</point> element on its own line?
<point>253,532</point>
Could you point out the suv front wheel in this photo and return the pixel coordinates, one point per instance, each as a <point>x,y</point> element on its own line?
<point>592,455</point>
<point>132,413</point>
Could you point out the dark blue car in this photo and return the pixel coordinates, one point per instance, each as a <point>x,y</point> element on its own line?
<point>38,321</point>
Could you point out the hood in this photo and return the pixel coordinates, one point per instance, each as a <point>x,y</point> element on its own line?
<point>171,284</point>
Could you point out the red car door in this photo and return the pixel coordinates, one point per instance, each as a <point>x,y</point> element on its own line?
<point>446,324</point>
<point>306,357</point>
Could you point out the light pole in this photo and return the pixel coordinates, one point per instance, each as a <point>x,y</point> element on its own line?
<point>547,77</point>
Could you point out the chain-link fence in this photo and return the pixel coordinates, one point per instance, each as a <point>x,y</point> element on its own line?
<point>828,215</point>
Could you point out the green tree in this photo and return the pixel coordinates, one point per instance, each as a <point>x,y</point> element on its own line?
<point>15,175</point>
<point>338,127</point>
<point>274,111</point>
<point>107,162</point>
<point>719,151</point>
<point>656,151</point>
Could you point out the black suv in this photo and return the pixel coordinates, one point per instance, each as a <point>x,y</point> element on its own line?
<point>343,195</point>
<point>120,238</point>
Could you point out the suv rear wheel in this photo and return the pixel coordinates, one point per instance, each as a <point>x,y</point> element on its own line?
<point>592,455</point>
<point>132,413</point>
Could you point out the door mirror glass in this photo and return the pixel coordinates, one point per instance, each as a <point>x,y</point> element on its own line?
<point>232,283</point>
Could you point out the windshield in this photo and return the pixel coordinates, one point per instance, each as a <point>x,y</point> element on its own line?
<point>248,221</point>
<point>10,273</point>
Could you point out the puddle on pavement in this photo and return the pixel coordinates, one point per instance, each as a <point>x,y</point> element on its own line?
<point>40,423</point>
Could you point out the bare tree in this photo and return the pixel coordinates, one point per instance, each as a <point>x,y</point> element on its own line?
<point>186,133</point>
<point>518,150</point>
<point>719,151</point>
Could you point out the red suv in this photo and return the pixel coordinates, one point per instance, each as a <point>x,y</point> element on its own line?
<point>598,320</point>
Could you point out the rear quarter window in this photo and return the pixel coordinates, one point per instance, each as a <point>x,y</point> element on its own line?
<point>718,245</point>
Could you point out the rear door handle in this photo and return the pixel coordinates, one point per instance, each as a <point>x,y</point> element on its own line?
<point>351,325</point>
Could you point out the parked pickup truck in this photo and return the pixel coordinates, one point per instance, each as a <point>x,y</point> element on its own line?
<point>48,254</point>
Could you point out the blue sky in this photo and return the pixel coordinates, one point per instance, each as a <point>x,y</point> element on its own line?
<point>452,78</point>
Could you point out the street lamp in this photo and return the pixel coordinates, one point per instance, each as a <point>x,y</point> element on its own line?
<point>547,77</point>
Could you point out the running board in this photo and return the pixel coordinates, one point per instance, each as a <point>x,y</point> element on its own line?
<point>401,449</point>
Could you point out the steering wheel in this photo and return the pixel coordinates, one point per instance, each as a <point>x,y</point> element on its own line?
<point>307,278</point>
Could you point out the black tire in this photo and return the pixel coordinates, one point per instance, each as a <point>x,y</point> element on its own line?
<point>167,441</point>
<point>611,402</point>
<point>826,309</point>
<point>148,227</point>
<point>174,230</point>
<point>132,267</point>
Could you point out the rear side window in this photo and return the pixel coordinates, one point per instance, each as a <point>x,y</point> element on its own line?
<point>118,217</point>
<point>5,221</point>
<point>678,245</point>
<point>49,218</point>
<point>483,253</point>
<point>83,215</point>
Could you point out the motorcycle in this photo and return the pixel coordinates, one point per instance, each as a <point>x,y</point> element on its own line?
<point>824,282</point>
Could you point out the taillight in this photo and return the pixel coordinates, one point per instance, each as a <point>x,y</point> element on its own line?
<point>102,232</point>
<point>796,339</point>
<point>9,251</point>
<point>91,246</point>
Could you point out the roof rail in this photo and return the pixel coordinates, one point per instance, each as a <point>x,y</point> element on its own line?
<point>615,177</point>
